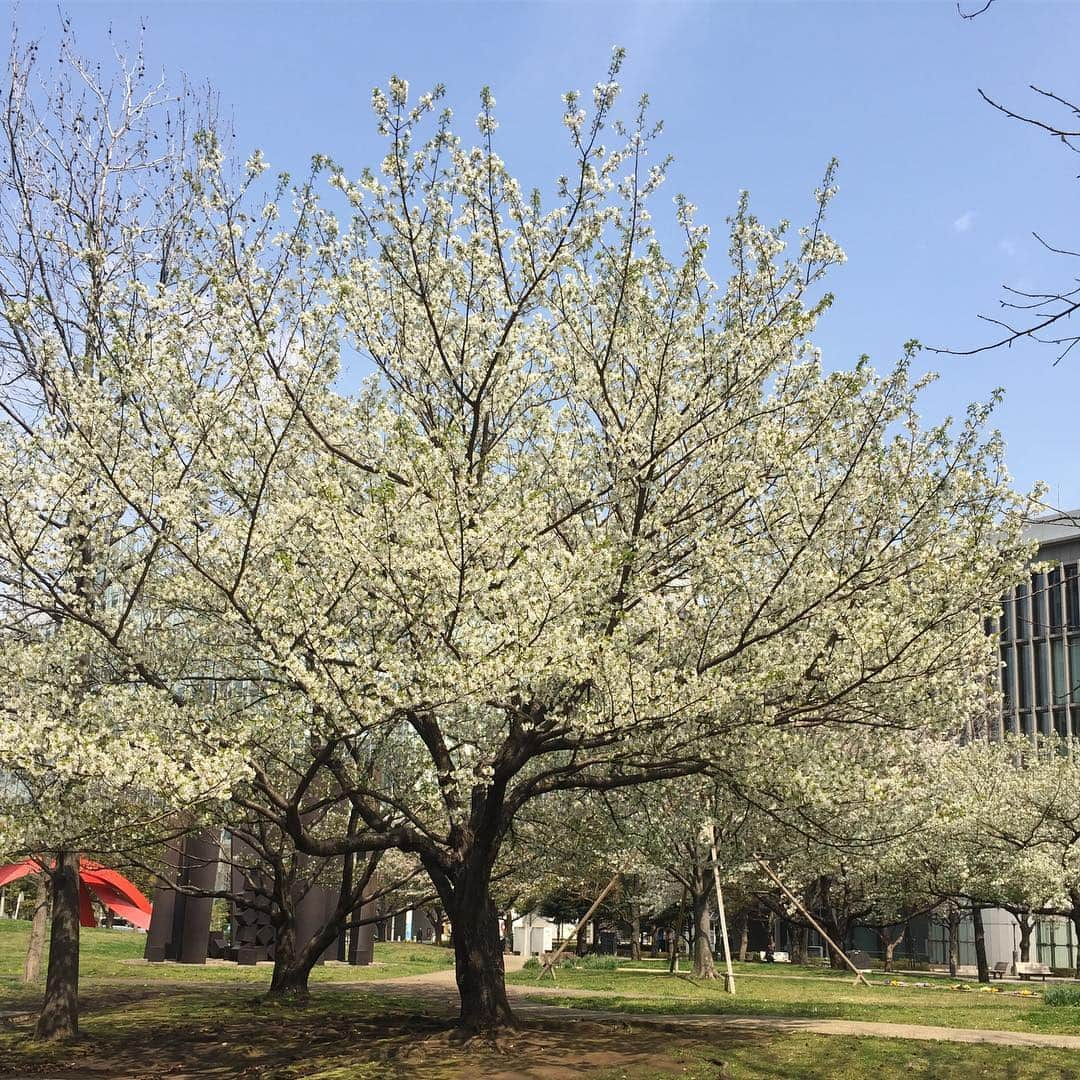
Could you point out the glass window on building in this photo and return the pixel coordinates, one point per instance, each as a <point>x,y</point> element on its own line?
<point>1038,605</point>
<point>1061,720</point>
<point>1054,599</point>
<point>1023,674</point>
<point>1072,597</point>
<point>1042,683</point>
<point>1074,671</point>
<point>1057,671</point>
<point>1055,942</point>
<point>1023,612</point>
<point>1005,622</point>
<point>1027,724</point>
<point>938,941</point>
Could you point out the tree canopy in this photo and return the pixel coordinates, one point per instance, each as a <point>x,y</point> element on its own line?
<point>599,511</point>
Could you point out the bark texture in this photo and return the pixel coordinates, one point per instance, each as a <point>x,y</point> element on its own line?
<point>980,944</point>
<point>799,938</point>
<point>635,933</point>
<point>478,966</point>
<point>59,1018</point>
<point>889,941</point>
<point>704,965</point>
<point>36,949</point>
<point>954,940</point>
<point>1026,924</point>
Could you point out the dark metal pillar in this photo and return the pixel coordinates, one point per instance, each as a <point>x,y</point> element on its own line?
<point>159,937</point>
<point>200,871</point>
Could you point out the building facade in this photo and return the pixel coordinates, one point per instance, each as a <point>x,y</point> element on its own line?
<point>1040,636</point>
<point>1039,640</point>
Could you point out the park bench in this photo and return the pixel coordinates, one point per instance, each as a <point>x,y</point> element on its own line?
<point>999,970</point>
<point>1030,970</point>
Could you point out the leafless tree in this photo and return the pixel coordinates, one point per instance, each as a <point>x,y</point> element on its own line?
<point>1043,316</point>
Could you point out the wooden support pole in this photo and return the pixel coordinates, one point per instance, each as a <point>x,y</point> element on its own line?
<point>549,965</point>
<point>729,974</point>
<point>859,977</point>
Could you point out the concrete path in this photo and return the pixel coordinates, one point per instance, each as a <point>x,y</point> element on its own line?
<point>437,988</point>
<point>720,1023</point>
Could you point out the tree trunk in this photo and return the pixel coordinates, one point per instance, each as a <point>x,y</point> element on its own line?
<point>798,951</point>
<point>673,953</point>
<point>478,965</point>
<point>838,930</point>
<point>35,950</point>
<point>298,948</point>
<point>347,869</point>
<point>288,981</point>
<point>744,935</point>
<point>835,931</point>
<point>1027,924</point>
<point>704,967</point>
<point>770,933</point>
<point>59,1018</point>
<point>437,925</point>
<point>954,940</point>
<point>635,932</point>
<point>888,946</point>
<point>290,978</point>
<point>980,944</point>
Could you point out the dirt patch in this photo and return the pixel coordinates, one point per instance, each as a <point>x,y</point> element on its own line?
<point>557,1051</point>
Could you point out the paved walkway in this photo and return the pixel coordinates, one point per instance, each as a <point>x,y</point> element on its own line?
<point>721,1023</point>
<point>437,988</point>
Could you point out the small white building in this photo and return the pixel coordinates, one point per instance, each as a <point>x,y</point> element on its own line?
<point>533,934</point>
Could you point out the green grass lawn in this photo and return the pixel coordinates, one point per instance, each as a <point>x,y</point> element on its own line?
<point>116,956</point>
<point>358,1036</point>
<point>832,1057</point>
<point>142,1020</point>
<point>810,993</point>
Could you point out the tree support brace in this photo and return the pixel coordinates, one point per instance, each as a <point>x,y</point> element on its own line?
<point>549,964</point>
<point>729,974</point>
<point>859,977</point>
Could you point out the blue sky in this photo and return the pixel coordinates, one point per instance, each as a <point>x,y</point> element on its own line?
<point>939,194</point>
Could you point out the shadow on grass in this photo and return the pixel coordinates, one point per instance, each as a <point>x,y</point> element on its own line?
<point>132,1034</point>
<point>331,1038</point>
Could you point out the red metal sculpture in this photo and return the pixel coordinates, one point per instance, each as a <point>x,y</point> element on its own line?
<point>113,890</point>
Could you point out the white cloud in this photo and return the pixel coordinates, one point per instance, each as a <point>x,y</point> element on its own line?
<point>1007,247</point>
<point>964,222</point>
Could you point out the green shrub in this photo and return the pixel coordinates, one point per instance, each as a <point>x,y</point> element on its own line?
<point>1065,994</point>
<point>592,963</point>
<point>578,963</point>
